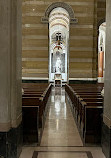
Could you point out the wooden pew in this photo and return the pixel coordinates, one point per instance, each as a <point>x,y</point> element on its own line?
<point>95,99</point>
<point>31,107</point>
<point>91,121</point>
<point>30,124</point>
<point>34,102</point>
<point>87,103</point>
<point>76,97</point>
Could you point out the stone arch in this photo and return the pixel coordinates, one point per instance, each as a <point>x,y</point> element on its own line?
<point>59,26</point>
<point>62,5</point>
<point>54,5</point>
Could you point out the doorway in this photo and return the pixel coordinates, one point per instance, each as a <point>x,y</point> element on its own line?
<point>58,43</point>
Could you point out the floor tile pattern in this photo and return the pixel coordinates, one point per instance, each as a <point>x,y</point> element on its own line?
<point>60,138</point>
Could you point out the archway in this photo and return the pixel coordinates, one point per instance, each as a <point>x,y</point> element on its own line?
<point>58,43</point>
<point>67,7</point>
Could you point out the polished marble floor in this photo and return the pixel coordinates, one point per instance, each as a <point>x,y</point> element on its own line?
<point>60,128</point>
<point>60,136</point>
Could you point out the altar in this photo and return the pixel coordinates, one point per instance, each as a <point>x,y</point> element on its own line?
<point>58,80</point>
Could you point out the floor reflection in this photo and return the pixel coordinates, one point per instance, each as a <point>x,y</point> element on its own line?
<point>60,128</point>
<point>60,133</point>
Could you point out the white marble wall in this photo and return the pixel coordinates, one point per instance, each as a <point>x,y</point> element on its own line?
<point>10,64</point>
<point>107,97</point>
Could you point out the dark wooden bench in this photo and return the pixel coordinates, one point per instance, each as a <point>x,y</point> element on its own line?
<point>32,118</point>
<point>79,105</point>
<point>91,121</point>
<point>34,102</point>
<point>87,105</point>
<point>30,124</point>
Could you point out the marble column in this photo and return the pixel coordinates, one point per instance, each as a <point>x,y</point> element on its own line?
<point>106,130</point>
<point>10,78</point>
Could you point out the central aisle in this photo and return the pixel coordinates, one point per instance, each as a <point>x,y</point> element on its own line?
<point>60,136</point>
<point>60,128</point>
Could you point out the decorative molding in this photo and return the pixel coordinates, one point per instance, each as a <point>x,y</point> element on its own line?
<point>66,6</point>
<point>62,5</point>
<point>45,20</point>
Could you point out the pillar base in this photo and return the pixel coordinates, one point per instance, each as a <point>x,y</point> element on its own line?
<point>106,140</point>
<point>11,143</point>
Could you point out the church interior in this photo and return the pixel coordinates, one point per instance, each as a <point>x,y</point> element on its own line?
<point>55,75</point>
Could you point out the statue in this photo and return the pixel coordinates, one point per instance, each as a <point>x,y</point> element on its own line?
<point>58,65</point>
